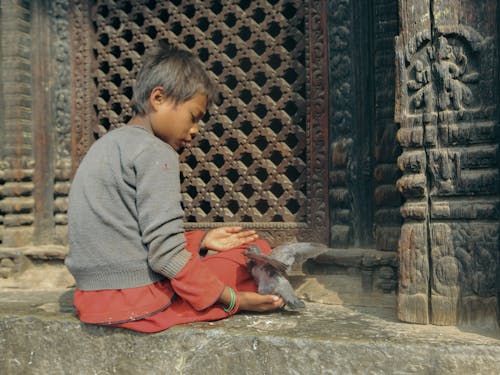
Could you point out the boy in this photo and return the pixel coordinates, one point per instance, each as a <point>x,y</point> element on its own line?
<point>133,264</point>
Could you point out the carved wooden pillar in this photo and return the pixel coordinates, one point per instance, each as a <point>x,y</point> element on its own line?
<point>387,200</point>
<point>17,162</point>
<point>364,202</point>
<point>447,107</point>
<point>35,147</point>
<point>351,208</point>
<point>62,94</point>
<point>43,144</point>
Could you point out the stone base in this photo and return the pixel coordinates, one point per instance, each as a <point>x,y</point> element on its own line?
<point>39,334</point>
<point>377,270</point>
<point>346,290</point>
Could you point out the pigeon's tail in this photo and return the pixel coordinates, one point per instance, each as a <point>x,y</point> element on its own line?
<point>285,290</point>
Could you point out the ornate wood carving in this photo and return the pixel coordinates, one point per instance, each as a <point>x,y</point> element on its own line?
<point>43,145</point>
<point>16,126</point>
<point>387,200</point>
<point>317,217</point>
<point>364,202</point>
<point>341,121</point>
<point>83,90</point>
<point>62,129</point>
<point>261,156</point>
<point>35,125</point>
<point>447,106</point>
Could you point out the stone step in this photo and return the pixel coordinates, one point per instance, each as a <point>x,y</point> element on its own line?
<point>354,276</point>
<point>39,334</point>
<point>340,289</point>
<point>377,270</point>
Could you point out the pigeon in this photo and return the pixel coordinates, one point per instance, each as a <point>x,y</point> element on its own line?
<point>269,271</point>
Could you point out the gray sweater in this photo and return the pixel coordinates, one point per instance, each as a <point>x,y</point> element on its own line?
<point>125,215</point>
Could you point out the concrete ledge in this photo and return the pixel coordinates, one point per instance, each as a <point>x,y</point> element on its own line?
<point>377,270</point>
<point>40,335</point>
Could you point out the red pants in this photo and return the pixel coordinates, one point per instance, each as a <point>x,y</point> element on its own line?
<point>229,266</point>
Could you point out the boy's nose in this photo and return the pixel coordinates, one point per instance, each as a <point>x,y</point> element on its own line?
<point>194,130</point>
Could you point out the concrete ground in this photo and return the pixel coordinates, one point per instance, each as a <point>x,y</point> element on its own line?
<point>344,331</point>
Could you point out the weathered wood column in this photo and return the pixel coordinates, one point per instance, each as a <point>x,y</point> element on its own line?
<point>35,132</point>
<point>43,145</point>
<point>364,202</point>
<point>17,159</point>
<point>447,108</point>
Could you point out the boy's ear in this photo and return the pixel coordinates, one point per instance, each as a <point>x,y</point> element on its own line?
<point>157,97</point>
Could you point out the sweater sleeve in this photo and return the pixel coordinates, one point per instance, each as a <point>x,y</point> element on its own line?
<point>160,217</point>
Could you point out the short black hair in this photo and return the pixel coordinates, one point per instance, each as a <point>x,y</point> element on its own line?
<point>177,71</point>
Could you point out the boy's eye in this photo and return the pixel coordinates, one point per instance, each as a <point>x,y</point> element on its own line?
<point>196,118</point>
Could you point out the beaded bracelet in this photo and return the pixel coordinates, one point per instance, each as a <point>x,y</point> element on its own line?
<point>232,302</point>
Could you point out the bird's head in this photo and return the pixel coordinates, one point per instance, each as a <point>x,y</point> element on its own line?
<point>253,250</point>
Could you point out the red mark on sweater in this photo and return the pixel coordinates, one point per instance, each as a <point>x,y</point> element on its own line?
<point>165,166</point>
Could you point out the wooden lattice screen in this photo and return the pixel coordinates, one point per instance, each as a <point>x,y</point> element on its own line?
<point>261,156</point>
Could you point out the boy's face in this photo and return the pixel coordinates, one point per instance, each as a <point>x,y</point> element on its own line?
<point>177,124</point>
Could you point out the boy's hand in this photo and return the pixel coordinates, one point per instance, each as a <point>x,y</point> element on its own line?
<point>225,238</point>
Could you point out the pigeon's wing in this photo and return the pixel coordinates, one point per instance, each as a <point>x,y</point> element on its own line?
<point>297,252</point>
<point>280,266</point>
